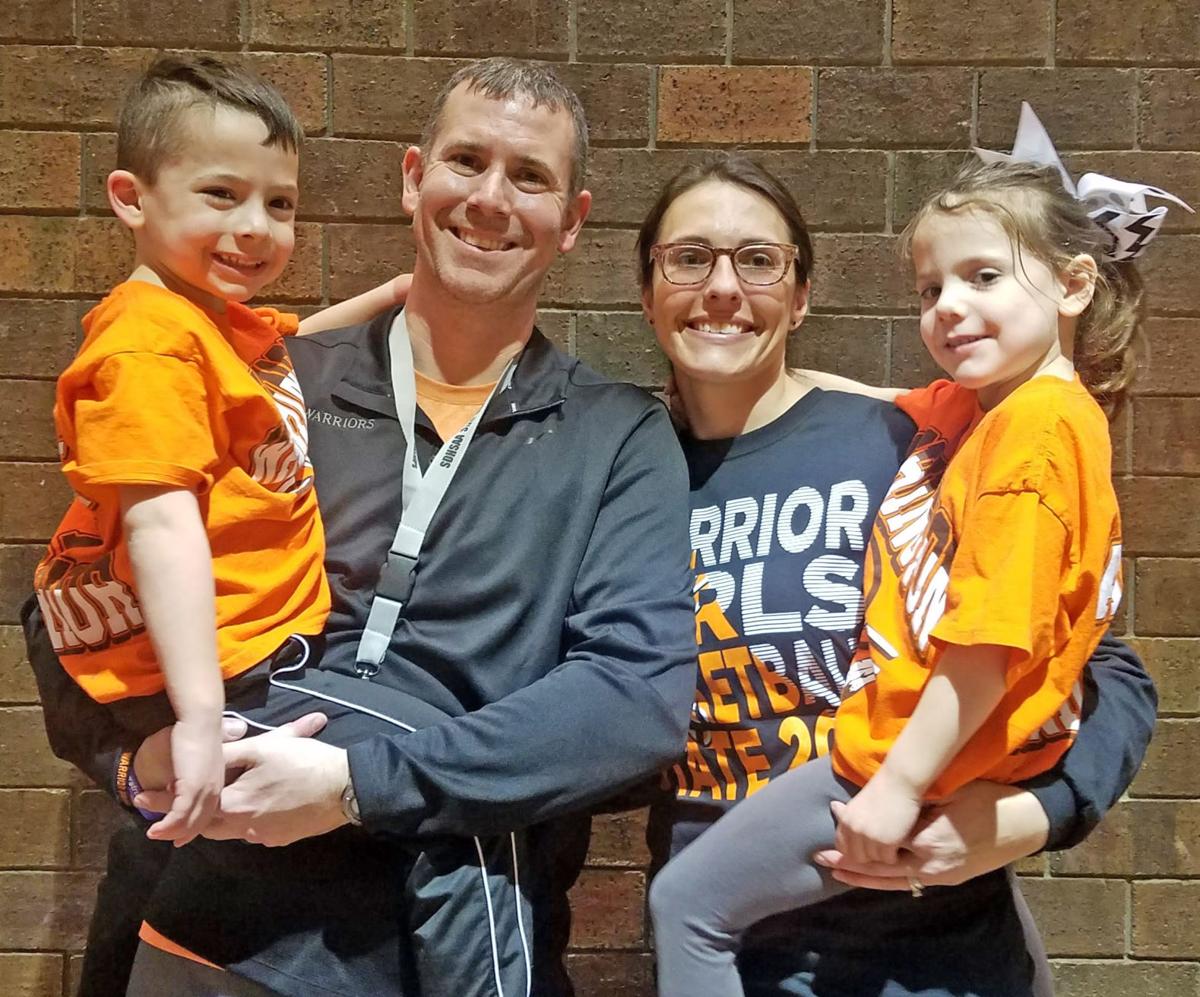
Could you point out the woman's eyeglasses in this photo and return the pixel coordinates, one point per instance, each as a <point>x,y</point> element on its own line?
<point>760,264</point>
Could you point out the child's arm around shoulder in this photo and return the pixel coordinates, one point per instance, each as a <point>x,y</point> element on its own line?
<point>835,382</point>
<point>360,308</point>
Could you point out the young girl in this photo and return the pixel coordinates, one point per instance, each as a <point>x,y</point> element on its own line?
<point>993,571</point>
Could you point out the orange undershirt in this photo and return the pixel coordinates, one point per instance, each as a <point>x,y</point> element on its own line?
<point>449,407</point>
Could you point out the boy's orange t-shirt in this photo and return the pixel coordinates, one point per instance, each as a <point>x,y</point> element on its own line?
<point>163,393</point>
<point>1000,528</point>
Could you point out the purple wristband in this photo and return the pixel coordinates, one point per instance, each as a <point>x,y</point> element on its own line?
<point>133,788</point>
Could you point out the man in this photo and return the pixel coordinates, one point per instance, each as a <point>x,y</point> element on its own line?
<point>549,614</point>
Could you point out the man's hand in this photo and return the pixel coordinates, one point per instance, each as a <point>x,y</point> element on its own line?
<point>873,826</point>
<point>289,788</point>
<point>982,827</point>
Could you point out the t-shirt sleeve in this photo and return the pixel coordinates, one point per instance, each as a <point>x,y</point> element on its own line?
<point>924,405</point>
<point>285,323</point>
<point>142,419</point>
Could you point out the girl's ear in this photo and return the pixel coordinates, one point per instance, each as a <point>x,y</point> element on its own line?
<point>124,191</point>
<point>1078,284</point>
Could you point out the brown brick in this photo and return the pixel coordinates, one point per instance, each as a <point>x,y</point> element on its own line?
<point>841,344</point>
<point>1126,33</point>
<point>103,251</point>
<point>73,86</point>
<point>25,758</point>
<point>303,278</point>
<point>1167,359</point>
<point>612,974</point>
<point>1172,664</point>
<point>556,327</point>
<point>1167,596</point>
<point>598,271</point>
<point>1166,920</point>
<point>74,972</point>
<point>912,365</point>
<point>1173,171</point>
<point>734,104</point>
<point>37,338</point>
<point>362,256</point>
<point>1164,435</point>
<point>34,827</point>
<point>1169,269</point>
<point>1108,979</point>
<point>889,108</point>
<point>31,974</point>
<point>17,562</point>
<point>1169,107</point>
<point>830,31</point>
<point>607,907</point>
<point>351,179</point>
<point>161,22</point>
<point>97,816</point>
<point>859,273</point>
<point>45,910</point>
<point>63,255</point>
<point>970,31</point>
<point>621,345</point>
<point>1150,515</point>
<point>1138,838</point>
<point>326,24</point>
<point>1081,108</point>
<point>16,678</point>
<point>33,498</point>
<point>527,28</point>
<point>303,78</point>
<point>386,95</point>
<point>1119,432</point>
<point>26,420</point>
<point>619,839</point>
<point>99,160</point>
<point>918,175</point>
<point>37,21</point>
<point>694,31</point>
<point>1079,917</point>
<point>39,170</point>
<point>1172,765</point>
<point>616,99</point>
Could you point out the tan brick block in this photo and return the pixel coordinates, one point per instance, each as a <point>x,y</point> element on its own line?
<point>830,31</point>
<point>302,78</point>
<point>351,179</point>
<point>970,31</point>
<point>524,28</point>
<point>1107,979</point>
<point>1166,920</point>
<point>49,85</point>
<point>841,344</point>
<point>1126,33</point>
<point>1081,108</point>
<point>74,972</point>
<point>616,99</point>
<point>25,757</point>
<point>103,255</point>
<point>323,24</point>
<point>556,327</point>
<point>918,175</point>
<point>1168,269</point>
<point>40,256</point>
<point>1119,430</point>
<point>99,159</point>
<point>33,498</point>
<point>97,816</point>
<point>621,345</point>
<point>607,909</point>
<point>1172,764</point>
<point>1173,171</point>
<point>37,21</point>
<point>1167,359</point>
<point>162,23</point>
<point>860,273</point>
<point>912,366</point>
<point>31,974</point>
<point>734,104</point>
<point>1168,108</point>
<point>612,974</point>
<point>1164,435</point>
<point>1079,917</point>
<point>386,95</point>
<point>37,338</point>
<point>1172,664</point>
<point>39,170</point>
<point>362,256</point>
<point>302,279</point>
<point>596,272</point>
<point>1167,596</point>
<point>1138,838</point>
<point>619,840</point>
<point>45,910</point>
<point>26,420</point>
<point>1151,519</point>
<point>16,677</point>
<point>890,108</point>
<point>651,32</point>
<point>35,827</point>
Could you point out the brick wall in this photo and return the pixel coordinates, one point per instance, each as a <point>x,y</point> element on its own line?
<point>858,105</point>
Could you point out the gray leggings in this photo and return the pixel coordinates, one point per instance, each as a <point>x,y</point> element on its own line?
<point>752,863</point>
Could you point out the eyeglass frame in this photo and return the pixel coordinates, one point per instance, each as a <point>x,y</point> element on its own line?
<point>658,249</point>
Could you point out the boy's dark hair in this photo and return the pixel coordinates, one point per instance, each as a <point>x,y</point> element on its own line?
<point>148,126</point>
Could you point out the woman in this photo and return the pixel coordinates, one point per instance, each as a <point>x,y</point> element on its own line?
<point>786,480</point>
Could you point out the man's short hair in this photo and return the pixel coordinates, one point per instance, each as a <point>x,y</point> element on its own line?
<point>501,78</point>
<point>148,129</point>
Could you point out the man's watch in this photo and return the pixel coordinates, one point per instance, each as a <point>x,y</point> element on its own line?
<point>350,805</point>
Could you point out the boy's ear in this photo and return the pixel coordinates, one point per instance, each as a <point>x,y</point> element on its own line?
<point>125,197</point>
<point>1078,282</point>
<point>413,169</point>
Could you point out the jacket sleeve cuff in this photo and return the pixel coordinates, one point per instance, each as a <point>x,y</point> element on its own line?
<point>384,791</point>
<point>1059,802</point>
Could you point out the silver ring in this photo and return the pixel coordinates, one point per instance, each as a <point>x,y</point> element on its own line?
<point>915,886</point>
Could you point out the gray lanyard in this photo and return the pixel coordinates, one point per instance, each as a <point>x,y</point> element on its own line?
<point>422,495</point>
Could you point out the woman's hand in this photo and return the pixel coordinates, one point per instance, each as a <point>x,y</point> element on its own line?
<point>982,827</point>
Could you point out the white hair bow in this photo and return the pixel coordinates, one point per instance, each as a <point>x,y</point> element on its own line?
<point>1117,206</point>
